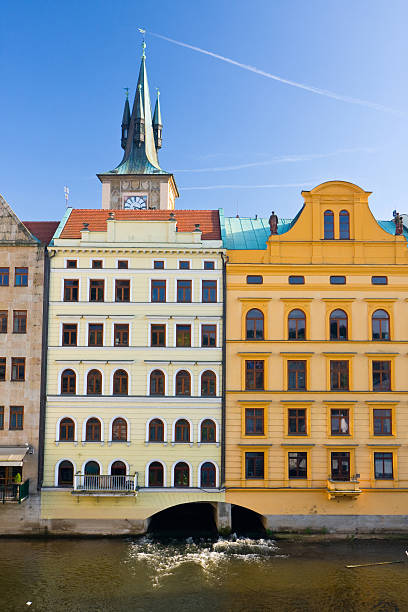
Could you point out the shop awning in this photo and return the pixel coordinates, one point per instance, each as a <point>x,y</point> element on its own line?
<point>11,456</point>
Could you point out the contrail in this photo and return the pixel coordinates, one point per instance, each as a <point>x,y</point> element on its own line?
<point>207,187</point>
<point>316,90</point>
<point>280,160</point>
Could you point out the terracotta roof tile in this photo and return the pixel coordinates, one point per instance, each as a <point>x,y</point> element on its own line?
<point>43,230</point>
<point>186,220</point>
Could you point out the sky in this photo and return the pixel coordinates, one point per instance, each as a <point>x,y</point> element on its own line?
<point>234,135</point>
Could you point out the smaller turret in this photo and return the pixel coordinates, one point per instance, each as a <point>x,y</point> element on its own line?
<point>125,121</point>
<point>157,123</point>
<point>139,133</point>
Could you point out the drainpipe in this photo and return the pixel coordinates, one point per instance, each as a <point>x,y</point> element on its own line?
<point>43,388</point>
<point>224,364</point>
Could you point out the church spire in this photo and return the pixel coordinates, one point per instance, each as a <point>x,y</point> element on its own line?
<point>140,156</point>
<point>157,123</point>
<point>125,120</point>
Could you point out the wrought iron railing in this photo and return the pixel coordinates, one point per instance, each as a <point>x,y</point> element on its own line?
<point>105,482</point>
<point>14,492</point>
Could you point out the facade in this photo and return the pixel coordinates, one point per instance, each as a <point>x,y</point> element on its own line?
<point>134,387</point>
<point>22,304</point>
<point>316,394</point>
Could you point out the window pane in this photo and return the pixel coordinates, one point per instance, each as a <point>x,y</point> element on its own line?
<point>254,280</point>
<point>254,465</point>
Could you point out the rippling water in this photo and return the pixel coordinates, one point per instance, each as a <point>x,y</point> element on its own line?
<point>238,574</point>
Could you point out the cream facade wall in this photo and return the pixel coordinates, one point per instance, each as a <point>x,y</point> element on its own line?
<point>136,243</point>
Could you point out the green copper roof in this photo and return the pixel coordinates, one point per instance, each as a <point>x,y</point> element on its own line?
<point>140,157</point>
<point>157,120</point>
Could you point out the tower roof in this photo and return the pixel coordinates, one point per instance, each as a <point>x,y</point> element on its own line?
<point>140,156</point>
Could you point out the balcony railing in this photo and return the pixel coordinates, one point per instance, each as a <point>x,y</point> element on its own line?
<point>106,484</point>
<point>14,492</point>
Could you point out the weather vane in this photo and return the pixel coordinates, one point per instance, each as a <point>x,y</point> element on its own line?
<point>127,91</point>
<point>66,195</point>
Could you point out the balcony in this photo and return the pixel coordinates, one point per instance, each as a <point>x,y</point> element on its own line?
<point>14,492</point>
<point>343,488</point>
<point>105,485</point>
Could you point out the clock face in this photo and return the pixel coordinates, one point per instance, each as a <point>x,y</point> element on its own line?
<point>136,203</point>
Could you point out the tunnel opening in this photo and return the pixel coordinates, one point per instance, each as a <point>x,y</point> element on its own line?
<point>247,523</point>
<point>183,521</point>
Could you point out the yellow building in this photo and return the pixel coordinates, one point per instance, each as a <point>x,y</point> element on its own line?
<point>317,368</point>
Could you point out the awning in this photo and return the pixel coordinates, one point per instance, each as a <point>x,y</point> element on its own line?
<point>12,456</point>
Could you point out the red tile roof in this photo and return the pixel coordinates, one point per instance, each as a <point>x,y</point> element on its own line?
<point>186,219</point>
<point>43,230</point>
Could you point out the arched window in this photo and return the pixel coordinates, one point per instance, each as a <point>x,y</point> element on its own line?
<point>157,383</point>
<point>65,474</point>
<point>92,468</point>
<point>338,325</point>
<point>208,384</point>
<point>120,383</point>
<point>328,225</point>
<point>156,474</point>
<point>344,222</point>
<point>297,325</point>
<point>67,430</point>
<point>182,431</point>
<point>208,475</point>
<point>156,431</point>
<point>181,475</point>
<point>255,325</point>
<point>208,431</point>
<point>68,382</point>
<point>94,383</point>
<point>118,468</point>
<point>381,325</point>
<point>92,473</point>
<point>119,430</point>
<point>183,383</point>
<point>93,430</point>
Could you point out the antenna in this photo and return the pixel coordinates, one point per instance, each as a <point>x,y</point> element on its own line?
<point>66,194</point>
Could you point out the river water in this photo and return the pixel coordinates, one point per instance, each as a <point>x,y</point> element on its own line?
<point>149,574</point>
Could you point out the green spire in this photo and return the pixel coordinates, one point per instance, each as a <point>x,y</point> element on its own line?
<point>125,120</point>
<point>157,123</point>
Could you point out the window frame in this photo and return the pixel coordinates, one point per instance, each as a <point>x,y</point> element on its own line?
<point>183,335</point>
<point>16,415</point>
<point>328,232</point>
<point>4,277</point>
<point>155,332</point>
<point>335,374</point>
<point>3,321</point>
<point>158,290</point>
<point>70,292</point>
<point>209,291</point>
<point>97,291</point>
<point>120,330</point>
<point>69,378</point>
<point>156,378</point>
<point>296,319</point>
<point>289,364</point>
<point>18,369</point>
<point>18,317</point>
<point>21,273</point>
<point>379,320</point>
<point>254,386</point>
<point>99,333</point>
<point>184,289</point>
<point>344,234</point>
<point>212,333</point>
<point>123,290</point>
<point>258,281</point>
<point>258,329</point>
<point>69,331</point>
<point>376,360</point>
<point>212,382</point>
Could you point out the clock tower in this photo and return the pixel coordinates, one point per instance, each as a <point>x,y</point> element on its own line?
<point>138,182</point>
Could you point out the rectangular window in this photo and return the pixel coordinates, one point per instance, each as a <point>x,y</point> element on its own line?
<point>18,368</point>
<point>382,421</point>
<point>254,466</point>
<point>381,375</point>
<point>19,321</point>
<point>184,290</point>
<point>184,265</point>
<point>340,422</point>
<point>254,375</point>
<point>254,421</point>
<point>69,334</point>
<point>297,422</point>
<point>123,264</point>
<point>1,417</point>
<point>296,375</point>
<point>72,263</point>
<point>158,290</point>
<point>97,264</point>
<point>96,290</point>
<point>208,335</point>
<point>297,463</point>
<point>296,280</point>
<point>209,291</point>
<point>209,265</point>
<point>340,466</point>
<point>253,279</point>
<point>95,334</point>
<point>16,417</point>
<point>158,264</point>
<point>337,280</point>
<point>183,335</point>
<point>158,335</point>
<point>339,375</point>
<point>2,368</point>
<point>71,290</point>
<point>379,280</point>
<point>21,277</point>
<point>3,321</point>
<point>383,466</point>
<point>122,290</point>
<point>121,334</point>
<point>4,277</point>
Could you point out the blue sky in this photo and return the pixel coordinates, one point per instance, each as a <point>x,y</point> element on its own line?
<point>64,66</point>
